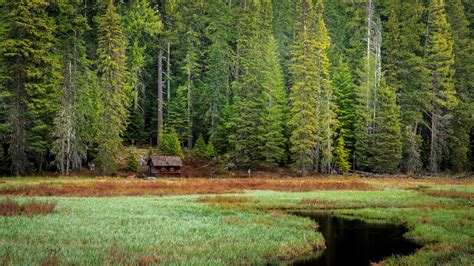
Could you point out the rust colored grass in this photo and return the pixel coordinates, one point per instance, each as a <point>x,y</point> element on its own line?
<point>146,260</point>
<point>121,187</point>
<point>10,207</point>
<point>449,194</point>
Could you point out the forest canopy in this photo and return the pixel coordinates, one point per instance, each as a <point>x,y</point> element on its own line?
<point>317,85</point>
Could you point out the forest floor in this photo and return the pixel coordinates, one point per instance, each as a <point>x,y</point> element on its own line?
<point>107,220</point>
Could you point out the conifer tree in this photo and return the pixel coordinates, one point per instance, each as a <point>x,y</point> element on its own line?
<point>210,152</point>
<point>305,90</point>
<point>115,88</point>
<point>219,62</point>
<point>245,139</point>
<point>341,156</point>
<point>439,61</point>
<point>274,99</point>
<point>141,24</point>
<point>199,148</point>
<point>30,77</point>
<point>463,121</point>
<point>344,94</point>
<point>68,146</point>
<point>327,117</point>
<point>132,159</point>
<point>386,145</point>
<point>170,144</point>
<point>413,79</point>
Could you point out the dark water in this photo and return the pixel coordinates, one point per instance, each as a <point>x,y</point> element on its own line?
<point>350,242</point>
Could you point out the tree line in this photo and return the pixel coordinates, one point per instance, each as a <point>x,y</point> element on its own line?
<point>381,86</point>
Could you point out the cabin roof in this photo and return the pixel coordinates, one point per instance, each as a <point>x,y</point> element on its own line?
<point>166,161</point>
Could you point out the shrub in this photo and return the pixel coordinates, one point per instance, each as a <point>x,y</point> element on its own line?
<point>132,160</point>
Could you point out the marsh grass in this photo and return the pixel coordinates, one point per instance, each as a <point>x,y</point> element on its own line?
<point>9,207</point>
<point>144,230</point>
<point>246,223</point>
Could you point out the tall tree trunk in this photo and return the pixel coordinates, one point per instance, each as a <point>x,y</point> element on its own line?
<point>160,98</point>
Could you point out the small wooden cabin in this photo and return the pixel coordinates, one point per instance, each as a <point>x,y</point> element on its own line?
<point>165,166</point>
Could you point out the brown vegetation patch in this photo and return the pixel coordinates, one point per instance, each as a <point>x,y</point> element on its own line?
<point>449,194</point>
<point>145,260</point>
<point>174,186</point>
<point>9,207</point>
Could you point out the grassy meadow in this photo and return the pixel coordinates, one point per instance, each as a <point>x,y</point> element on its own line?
<point>225,221</point>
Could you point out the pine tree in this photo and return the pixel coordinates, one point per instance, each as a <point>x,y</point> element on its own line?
<point>114,83</point>
<point>386,145</point>
<point>68,146</point>
<point>327,119</point>
<point>210,152</point>
<point>247,88</point>
<point>274,99</point>
<point>141,24</point>
<point>344,94</point>
<point>30,76</point>
<point>219,62</point>
<point>199,148</point>
<point>440,63</point>
<point>132,159</point>
<point>463,121</point>
<point>341,156</point>
<point>305,90</point>
<point>170,144</point>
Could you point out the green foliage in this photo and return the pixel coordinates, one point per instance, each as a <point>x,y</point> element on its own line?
<point>115,90</point>
<point>199,148</point>
<point>439,62</point>
<point>170,144</point>
<point>341,156</point>
<point>385,143</point>
<point>30,78</point>
<point>344,94</point>
<point>275,106</point>
<point>210,152</point>
<point>132,159</point>
<point>311,96</point>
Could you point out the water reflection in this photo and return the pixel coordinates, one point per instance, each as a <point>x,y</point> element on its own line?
<point>351,242</point>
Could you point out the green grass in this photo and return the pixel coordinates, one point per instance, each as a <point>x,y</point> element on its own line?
<point>249,230</point>
<point>175,230</point>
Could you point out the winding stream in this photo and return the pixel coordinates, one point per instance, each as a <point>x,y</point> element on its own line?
<point>353,242</point>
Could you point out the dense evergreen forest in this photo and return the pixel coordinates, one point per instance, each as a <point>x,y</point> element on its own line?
<point>383,86</point>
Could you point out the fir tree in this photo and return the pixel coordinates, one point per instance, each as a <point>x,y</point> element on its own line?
<point>113,99</point>
<point>439,62</point>
<point>30,76</point>
<point>344,94</point>
<point>341,156</point>
<point>305,90</point>
<point>386,146</point>
<point>68,146</point>
<point>170,144</point>
<point>463,121</point>
<point>210,152</point>
<point>327,117</point>
<point>132,159</point>
<point>199,148</point>
<point>245,139</point>
<point>141,24</point>
<point>275,105</point>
